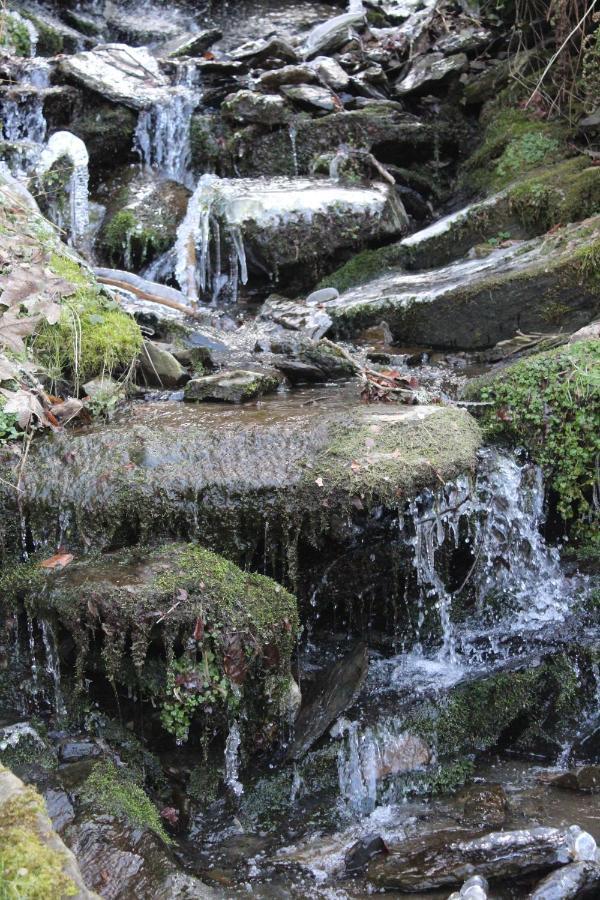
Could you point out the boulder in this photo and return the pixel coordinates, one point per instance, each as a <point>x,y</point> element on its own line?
<point>330,73</point>
<point>189,44</point>
<point>474,304</point>
<point>428,72</point>
<point>160,368</point>
<point>33,859</point>
<point>237,386</point>
<point>578,879</point>
<point>312,96</point>
<point>249,106</point>
<point>122,74</point>
<point>315,362</point>
<point>273,79</point>
<point>331,34</point>
<point>310,321</point>
<point>485,804</point>
<point>444,858</point>
<point>332,693</point>
<point>585,779</point>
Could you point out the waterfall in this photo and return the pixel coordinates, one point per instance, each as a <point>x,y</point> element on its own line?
<point>232,760</point>
<point>64,145</point>
<point>53,667</point>
<point>162,135</point>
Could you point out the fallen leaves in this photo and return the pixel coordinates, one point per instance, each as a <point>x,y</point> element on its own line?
<point>387,386</point>
<point>58,561</point>
<point>35,407</point>
<point>234,658</point>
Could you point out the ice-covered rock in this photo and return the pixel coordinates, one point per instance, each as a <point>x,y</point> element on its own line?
<point>123,74</point>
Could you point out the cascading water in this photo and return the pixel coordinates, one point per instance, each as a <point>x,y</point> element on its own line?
<point>232,760</point>
<point>516,587</point>
<point>162,135</point>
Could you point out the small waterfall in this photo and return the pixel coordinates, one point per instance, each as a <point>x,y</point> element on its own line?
<point>64,145</point>
<point>162,135</point>
<point>357,770</point>
<point>232,760</point>
<point>293,133</point>
<point>53,667</point>
<point>35,686</point>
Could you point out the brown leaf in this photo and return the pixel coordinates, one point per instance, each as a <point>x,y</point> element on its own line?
<point>234,658</point>
<point>58,561</point>
<point>271,656</point>
<point>199,630</point>
<point>170,814</point>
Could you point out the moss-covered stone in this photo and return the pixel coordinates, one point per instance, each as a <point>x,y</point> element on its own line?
<point>107,130</point>
<point>550,403</point>
<point>14,34</point>
<point>114,791</point>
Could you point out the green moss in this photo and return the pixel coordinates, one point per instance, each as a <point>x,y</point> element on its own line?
<point>14,35</point>
<point>567,192</point>
<point>50,41</point>
<point>551,405</point>
<point>363,267</point>
<point>93,337</point>
<point>128,242</point>
<point>29,868</point>
<point>114,792</point>
<point>514,142</point>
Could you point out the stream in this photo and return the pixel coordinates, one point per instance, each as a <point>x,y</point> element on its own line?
<point>426,672</point>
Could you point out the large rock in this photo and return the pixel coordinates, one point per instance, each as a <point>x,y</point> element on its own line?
<point>529,287</point>
<point>128,75</point>
<point>237,386</point>
<point>427,72</point>
<point>281,225</point>
<point>248,106</point>
<point>448,857</point>
<point>33,859</point>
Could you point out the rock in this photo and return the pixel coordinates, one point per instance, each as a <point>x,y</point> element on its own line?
<point>160,367</point>
<point>475,888</point>
<point>143,213</point>
<point>309,321</point>
<point>333,33</point>
<point>128,75</point>
<point>587,333</point>
<point>429,71</point>
<point>237,386</point>
<point>475,304</point>
<point>362,852</point>
<point>468,40</point>
<point>311,96</point>
<point>75,750</point>
<point>275,78</point>
<point>377,334</point>
<point>59,807</point>
<point>34,844</point>
<point>256,52</point>
<point>585,779</point>
<point>569,882</point>
<point>485,804</point>
<point>285,225</point>
<point>321,361</point>
<point>189,44</point>
<point>248,106</point>
<point>333,693</point>
<point>330,73</point>
<point>443,858</point>
<point>322,296</point>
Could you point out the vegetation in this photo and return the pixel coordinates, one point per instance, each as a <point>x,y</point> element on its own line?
<point>114,792</point>
<point>551,405</point>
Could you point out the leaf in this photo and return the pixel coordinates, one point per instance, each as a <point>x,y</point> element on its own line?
<point>182,595</point>
<point>198,634</point>
<point>271,656</point>
<point>170,814</point>
<point>234,659</point>
<point>65,410</point>
<point>14,327</point>
<point>58,561</point>
<point>8,370</point>
<point>25,406</point>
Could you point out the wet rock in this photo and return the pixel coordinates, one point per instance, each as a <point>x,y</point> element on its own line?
<point>274,79</point>
<point>311,96</point>
<point>59,806</point>
<point>465,41</point>
<point>123,862</point>
<point>363,852</point>
<point>256,52</point>
<point>128,75</point>
<point>27,829</point>
<point>485,804</point>
<point>330,73</point>
<point>332,34</point>
<point>477,303</point>
<point>475,888</point>
<point>443,858</point>
<point>75,750</point>
<point>160,368</point>
<point>322,296</point>
<point>292,315</point>
<point>248,106</point>
<point>190,44</point>
<point>321,361</point>
<point>429,71</point>
<point>585,779</point>
<point>237,386</point>
<point>333,693</point>
<point>577,879</point>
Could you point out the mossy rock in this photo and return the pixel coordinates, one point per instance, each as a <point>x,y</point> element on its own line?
<point>113,791</point>
<point>107,129</point>
<point>34,863</point>
<point>14,34</point>
<point>550,404</point>
<point>226,635</point>
<point>143,215</point>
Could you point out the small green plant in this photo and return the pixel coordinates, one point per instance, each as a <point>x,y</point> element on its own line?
<point>498,239</point>
<point>190,685</point>
<point>115,792</point>
<point>528,151</point>
<point>8,426</point>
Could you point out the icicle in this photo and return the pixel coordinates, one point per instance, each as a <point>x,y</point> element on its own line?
<point>162,135</point>
<point>191,271</point>
<point>63,144</point>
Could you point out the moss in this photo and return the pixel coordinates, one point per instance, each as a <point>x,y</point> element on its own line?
<point>363,267</point>
<point>93,337</point>
<point>29,868</point>
<point>550,404</point>
<point>50,40</point>
<point>114,792</point>
<point>514,142</point>
<point>130,243</point>
<point>14,34</point>
<point>567,192</point>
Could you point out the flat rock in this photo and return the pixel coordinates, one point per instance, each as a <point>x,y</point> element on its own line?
<point>578,879</point>
<point>311,95</point>
<point>123,74</point>
<point>273,79</point>
<point>237,386</point>
<point>251,107</point>
<point>428,71</point>
<point>330,73</point>
<point>332,34</point>
<point>189,44</point>
<point>474,304</point>
<point>309,320</point>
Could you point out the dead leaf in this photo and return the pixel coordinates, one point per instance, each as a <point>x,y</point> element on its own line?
<point>58,561</point>
<point>271,656</point>
<point>234,659</point>
<point>199,629</point>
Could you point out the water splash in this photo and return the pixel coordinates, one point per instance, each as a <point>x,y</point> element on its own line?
<point>64,145</point>
<point>53,667</point>
<point>232,760</point>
